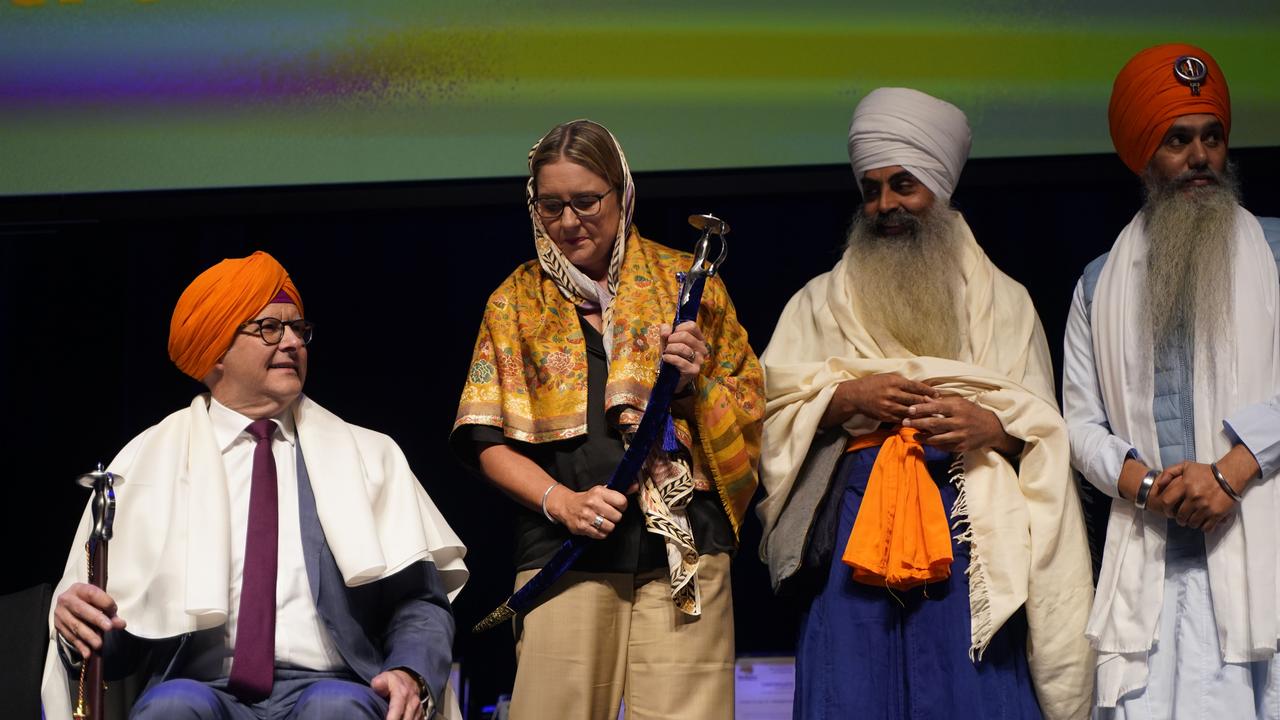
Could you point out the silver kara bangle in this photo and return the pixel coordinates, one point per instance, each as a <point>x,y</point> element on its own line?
<point>545,493</point>
<point>1226,486</point>
<point>1140,499</point>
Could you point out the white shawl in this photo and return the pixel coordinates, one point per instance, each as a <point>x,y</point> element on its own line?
<point>1025,528</point>
<point>170,555</point>
<point>1242,556</point>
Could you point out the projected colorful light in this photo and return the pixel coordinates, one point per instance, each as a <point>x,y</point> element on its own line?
<point>98,95</point>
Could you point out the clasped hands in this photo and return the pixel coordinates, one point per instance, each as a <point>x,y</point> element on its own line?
<point>949,422</point>
<point>1189,494</point>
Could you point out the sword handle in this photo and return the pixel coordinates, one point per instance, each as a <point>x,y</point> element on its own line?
<point>693,283</point>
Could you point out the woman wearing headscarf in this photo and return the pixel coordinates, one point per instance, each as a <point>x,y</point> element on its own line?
<point>569,348</point>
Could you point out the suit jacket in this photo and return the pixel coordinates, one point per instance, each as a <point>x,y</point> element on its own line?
<point>404,620</point>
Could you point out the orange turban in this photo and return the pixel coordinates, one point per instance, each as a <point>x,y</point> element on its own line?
<point>217,302</point>
<point>1148,96</point>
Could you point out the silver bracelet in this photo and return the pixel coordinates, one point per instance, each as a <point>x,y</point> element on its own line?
<point>545,493</point>
<point>1226,486</point>
<point>1140,499</point>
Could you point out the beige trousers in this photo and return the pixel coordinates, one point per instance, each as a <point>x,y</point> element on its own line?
<point>602,638</point>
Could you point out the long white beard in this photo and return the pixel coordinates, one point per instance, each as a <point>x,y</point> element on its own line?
<point>1189,275</point>
<point>908,285</point>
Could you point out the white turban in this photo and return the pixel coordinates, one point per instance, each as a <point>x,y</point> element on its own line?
<point>928,137</point>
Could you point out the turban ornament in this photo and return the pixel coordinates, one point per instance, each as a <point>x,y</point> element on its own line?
<point>928,137</point>
<point>1156,87</point>
<point>217,302</point>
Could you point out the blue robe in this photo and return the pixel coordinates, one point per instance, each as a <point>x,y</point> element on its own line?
<point>869,653</point>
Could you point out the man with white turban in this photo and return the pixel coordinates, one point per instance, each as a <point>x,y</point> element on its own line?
<point>1171,390</point>
<point>269,559</point>
<point>909,396</point>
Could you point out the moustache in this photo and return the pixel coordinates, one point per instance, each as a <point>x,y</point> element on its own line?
<point>894,222</point>
<point>1191,176</point>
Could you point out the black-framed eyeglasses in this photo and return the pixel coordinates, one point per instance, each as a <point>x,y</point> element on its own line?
<point>271,330</point>
<point>584,205</point>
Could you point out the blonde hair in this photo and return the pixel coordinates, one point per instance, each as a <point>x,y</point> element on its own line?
<point>581,142</point>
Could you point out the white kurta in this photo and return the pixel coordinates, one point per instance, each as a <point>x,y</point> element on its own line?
<point>1243,562</point>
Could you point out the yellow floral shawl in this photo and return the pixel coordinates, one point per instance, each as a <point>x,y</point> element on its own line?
<point>528,372</point>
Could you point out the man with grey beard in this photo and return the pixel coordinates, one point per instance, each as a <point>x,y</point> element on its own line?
<point>1171,389</point>
<point>909,374</point>
<point>903,268</point>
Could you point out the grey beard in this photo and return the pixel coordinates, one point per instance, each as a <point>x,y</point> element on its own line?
<point>1189,274</point>
<point>908,285</point>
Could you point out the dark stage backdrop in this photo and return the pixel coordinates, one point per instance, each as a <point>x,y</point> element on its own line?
<point>396,278</point>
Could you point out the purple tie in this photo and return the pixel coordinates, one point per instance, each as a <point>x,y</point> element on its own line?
<point>253,665</point>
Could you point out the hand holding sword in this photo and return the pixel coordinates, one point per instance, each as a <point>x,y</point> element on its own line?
<point>84,613</point>
<point>655,420</point>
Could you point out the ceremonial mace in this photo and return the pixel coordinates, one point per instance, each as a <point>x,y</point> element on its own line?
<point>89,705</point>
<point>655,420</point>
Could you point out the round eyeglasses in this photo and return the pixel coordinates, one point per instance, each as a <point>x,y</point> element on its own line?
<point>271,330</point>
<point>584,205</point>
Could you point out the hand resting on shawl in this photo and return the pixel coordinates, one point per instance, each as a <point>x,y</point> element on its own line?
<point>886,397</point>
<point>958,425</point>
<point>951,423</point>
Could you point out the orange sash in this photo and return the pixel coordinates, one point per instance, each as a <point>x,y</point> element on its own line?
<point>900,538</point>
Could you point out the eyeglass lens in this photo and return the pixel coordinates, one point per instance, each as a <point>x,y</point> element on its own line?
<point>581,204</point>
<point>272,330</point>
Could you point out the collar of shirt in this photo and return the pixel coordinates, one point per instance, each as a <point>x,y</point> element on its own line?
<point>230,426</point>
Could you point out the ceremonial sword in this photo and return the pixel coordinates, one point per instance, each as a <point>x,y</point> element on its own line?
<point>91,691</point>
<point>656,420</point>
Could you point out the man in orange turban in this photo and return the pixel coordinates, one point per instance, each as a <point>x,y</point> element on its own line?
<point>213,306</point>
<point>1171,391</point>
<point>269,557</point>
<point>1155,88</point>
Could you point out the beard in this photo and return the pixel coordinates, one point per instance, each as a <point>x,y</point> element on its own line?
<point>1189,274</point>
<point>908,283</point>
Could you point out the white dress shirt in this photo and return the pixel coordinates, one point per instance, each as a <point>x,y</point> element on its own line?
<point>302,641</point>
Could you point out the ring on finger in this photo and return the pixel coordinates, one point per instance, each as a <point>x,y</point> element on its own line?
<point>597,522</point>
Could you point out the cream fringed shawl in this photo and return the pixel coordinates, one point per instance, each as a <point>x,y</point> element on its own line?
<point>1025,527</point>
<point>170,556</point>
<point>1244,579</point>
